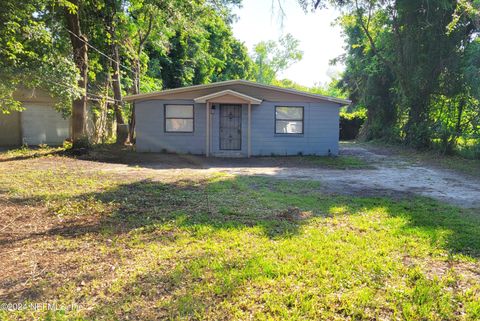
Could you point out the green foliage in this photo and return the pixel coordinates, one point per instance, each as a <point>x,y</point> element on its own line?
<point>230,247</point>
<point>359,114</point>
<point>415,66</point>
<point>330,89</point>
<point>351,123</point>
<point>204,53</point>
<point>32,55</point>
<point>271,57</point>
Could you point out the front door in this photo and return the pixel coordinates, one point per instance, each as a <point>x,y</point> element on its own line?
<point>230,127</point>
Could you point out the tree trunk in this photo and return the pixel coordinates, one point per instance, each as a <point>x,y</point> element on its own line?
<point>136,85</point>
<point>80,56</point>
<point>417,128</point>
<point>122,136</point>
<point>135,91</point>
<point>458,128</point>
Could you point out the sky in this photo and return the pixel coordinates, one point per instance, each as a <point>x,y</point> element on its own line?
<point>319,40</point>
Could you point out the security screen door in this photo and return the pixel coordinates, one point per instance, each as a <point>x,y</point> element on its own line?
<point>230,127</point>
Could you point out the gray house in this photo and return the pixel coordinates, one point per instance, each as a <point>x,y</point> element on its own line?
<point>237,118</point>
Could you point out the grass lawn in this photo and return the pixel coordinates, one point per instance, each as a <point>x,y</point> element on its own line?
<point>223,247</point>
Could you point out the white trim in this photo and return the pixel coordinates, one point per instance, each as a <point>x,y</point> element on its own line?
<point>249,130</point>
<point>207,130</point>
<point>236,82</point>
<point>247,98</point>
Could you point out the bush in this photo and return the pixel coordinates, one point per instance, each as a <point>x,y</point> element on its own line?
<point>350,124</point>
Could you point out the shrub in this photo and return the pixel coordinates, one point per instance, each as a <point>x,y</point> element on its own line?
<point>350,124</point>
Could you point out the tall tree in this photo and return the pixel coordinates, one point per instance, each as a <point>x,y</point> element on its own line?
<point>32,55</point>
<point>80,57</point>
<point>272,57</point>
<point>416,43</point>
<point>201,52</point>
<point>111,20</point>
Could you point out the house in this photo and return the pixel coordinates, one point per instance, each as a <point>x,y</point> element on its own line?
<point>237,118</point>
<point>39,122</point>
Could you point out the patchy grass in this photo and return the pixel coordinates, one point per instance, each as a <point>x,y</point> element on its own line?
<point>111,153</point>
<point>339,162</point>
<point>225,247</point>
<point>26,152</point>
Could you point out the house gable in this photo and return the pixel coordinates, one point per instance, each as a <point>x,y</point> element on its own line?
<point>252,89</point>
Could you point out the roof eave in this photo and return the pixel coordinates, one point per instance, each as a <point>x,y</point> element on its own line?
<point>342,102</point>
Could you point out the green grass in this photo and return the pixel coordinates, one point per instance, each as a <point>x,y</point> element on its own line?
<point>26,152</point>
<point>339,162</point>
<point>231,247</point>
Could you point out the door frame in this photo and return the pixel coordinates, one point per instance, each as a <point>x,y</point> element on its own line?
<point>220,124</point>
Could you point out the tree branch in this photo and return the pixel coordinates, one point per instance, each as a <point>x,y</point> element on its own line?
<point>370,38</point>
<point>147,34</point>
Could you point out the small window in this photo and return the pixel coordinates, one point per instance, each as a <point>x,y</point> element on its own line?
<point>288,120</point>
<point>179,118</point>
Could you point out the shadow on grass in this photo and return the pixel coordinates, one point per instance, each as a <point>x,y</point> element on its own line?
<point>222,204</point>
<point>279,208</point>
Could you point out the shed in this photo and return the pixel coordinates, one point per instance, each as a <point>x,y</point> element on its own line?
<point>237,118</point>
<point>39,122</point>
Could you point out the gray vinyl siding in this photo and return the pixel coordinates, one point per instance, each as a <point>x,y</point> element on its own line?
<point>320,137</point>
<point>151,135</point>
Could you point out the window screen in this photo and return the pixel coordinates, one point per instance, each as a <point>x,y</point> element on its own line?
<point>288,120</point>
<point>179,118</point>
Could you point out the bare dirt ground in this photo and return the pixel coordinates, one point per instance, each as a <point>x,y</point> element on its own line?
<point>391,175</point>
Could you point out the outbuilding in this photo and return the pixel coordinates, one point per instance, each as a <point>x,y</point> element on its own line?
<point>38,123</point>
<point>237,118</point>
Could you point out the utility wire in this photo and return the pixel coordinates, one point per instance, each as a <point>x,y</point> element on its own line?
<point>98,50</point>
<point>97,97</point>
<point>70,87</point>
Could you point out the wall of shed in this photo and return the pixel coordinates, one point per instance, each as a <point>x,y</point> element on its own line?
<point>39,122</point>
<point>10,132</point>
<point>321,130</point>
<point>42,124</point>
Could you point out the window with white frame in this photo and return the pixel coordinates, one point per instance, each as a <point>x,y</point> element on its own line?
<point>288,120</point>
<point>179,118</point>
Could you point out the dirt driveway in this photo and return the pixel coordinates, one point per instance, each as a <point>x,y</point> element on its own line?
<point>390,175</point>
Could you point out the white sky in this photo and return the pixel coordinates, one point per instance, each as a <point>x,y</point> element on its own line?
<point>319,40</point>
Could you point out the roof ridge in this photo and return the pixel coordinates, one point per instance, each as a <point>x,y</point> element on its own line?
<point>237,81</point>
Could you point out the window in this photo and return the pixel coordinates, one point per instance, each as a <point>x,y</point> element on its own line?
<point>288,120</point>
<point>179,118</point>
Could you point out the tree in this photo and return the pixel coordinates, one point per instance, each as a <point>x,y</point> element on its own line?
<point>80,57</point>
<point>202,52</point>
<point>272,58</point>
<point>412,49</point>
<point>85,52</point>
<point>111,20</point>
<point>32,56</point>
